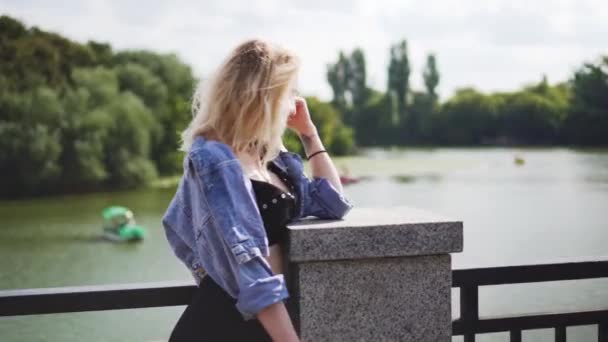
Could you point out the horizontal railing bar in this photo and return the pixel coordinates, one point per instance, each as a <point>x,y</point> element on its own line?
<point>94,298</point>
<point>131,296</point>
<point>530,273</point>
<point>537,321</point>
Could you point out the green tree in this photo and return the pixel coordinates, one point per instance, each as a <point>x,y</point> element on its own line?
<point>587,122</point>
<point>127,150</point>
<point>468,118</point>
<point>174,114</point>
<point>423,106</point>
<point>103,53</point>
<point>348,80</point>
<point>533,115</point>
<point>375,126</point>
<point>30,141</point>
<point>338,78</point>
<point>31,57</point>
<point>11,29</point>
<point>421,113</point>
<point>431,76</point>
<point>107,133</point>
<point>399,78</point>
<point>358,78</point>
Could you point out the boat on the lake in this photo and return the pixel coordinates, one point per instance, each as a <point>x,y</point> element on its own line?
<point>346,180</point>
<point>119,225</point>
<point>345,176</point>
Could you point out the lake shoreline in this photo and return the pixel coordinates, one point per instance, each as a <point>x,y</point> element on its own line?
<point>171,181</point>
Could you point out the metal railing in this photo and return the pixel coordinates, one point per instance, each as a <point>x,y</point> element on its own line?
<point>469,280</point>
<point>132,296</point>
<point>94,298</point>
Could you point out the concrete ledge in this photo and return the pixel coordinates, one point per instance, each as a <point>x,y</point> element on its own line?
<point>374,232</point>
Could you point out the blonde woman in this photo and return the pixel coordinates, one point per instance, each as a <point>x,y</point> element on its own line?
<point>239,189</point>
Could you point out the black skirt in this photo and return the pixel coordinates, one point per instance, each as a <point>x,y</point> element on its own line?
<point>212,316</point>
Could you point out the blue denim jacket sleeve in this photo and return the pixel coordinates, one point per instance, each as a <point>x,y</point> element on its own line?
<point>319,197</point>
<point>258,287</point>
<point>237,220</point>
<point>323,200</point>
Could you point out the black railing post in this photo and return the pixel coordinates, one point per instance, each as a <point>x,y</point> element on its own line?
<point>515,335</point>
<point>469,310</point>
<point>602,332</point>
<point>560,334</point>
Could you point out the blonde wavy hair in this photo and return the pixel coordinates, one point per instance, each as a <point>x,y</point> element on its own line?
<point>244,105</point>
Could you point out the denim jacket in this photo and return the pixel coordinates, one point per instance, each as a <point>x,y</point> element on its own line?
<point>214,226</point>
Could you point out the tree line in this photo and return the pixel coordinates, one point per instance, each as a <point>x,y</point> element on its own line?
<point>82,117</point>
<point>573,112</point>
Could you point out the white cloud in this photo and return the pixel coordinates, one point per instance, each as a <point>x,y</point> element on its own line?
<point>491,45</point>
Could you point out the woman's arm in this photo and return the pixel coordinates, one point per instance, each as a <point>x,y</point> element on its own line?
<point>277,323</point>
<point>321,164</point>
<point>274,317</point>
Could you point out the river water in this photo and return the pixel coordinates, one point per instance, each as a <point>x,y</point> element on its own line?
<point>552,208</point>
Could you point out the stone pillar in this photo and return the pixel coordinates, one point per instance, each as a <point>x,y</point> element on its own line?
<point>381,274</point>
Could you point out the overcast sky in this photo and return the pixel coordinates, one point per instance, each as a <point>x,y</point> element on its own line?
<point>491,45</point>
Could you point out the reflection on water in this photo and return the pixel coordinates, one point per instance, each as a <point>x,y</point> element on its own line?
<point>67,239</point>
<point>430,177</point>
<point>555,206</point>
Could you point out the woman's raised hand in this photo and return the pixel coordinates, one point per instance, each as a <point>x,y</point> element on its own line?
<point>300,120</point>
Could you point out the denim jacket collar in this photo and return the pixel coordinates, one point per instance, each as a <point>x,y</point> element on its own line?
<point>279,162</point>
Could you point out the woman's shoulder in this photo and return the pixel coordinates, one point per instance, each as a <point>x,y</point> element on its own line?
<point>210,154</point>
<point>290,161</point>
<point>288,154</point>
<point>284,153</point>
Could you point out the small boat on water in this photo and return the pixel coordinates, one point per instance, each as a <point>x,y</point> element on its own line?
<point>119,225</point>
<point>519,160</point>
<point>346,180</point>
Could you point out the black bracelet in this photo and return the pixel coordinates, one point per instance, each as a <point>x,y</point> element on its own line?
<point>314,154</point>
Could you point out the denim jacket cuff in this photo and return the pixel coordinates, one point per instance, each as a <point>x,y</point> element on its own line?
<point>329,198</point>
<point>262,293</point>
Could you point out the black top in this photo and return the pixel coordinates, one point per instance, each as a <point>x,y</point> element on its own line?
<point>277,207</point>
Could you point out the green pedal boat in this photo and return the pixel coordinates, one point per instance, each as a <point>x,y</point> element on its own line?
<point>119,225</point>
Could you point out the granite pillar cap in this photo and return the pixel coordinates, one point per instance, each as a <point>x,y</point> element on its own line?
<point>374,233</point>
